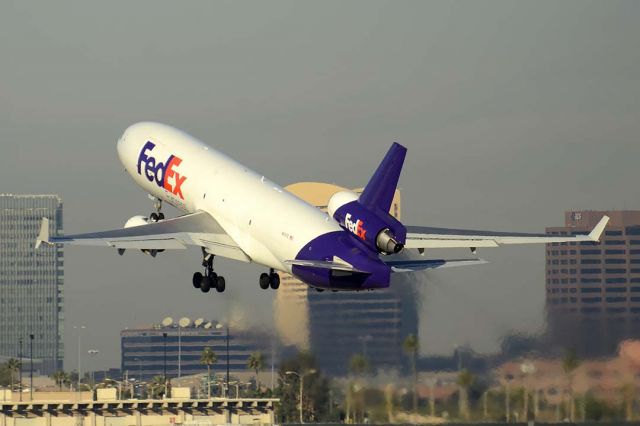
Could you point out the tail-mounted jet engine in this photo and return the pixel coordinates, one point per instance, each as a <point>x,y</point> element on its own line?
<point>377,229</point>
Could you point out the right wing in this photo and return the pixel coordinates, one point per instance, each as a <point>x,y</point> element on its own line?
<point>421,237</point>
<point>197,229</point>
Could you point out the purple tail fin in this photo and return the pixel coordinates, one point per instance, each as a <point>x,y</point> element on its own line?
<point>382,186</point>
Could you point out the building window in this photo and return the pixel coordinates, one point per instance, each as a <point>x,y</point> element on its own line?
<point>619,261</point>
<point>633,230</point>
<point>590,290</point>
<point>614,242</point>
<point>616,271</point>
<point>636,251</point>
<point>615,251</point>
<point>616,290</point>
<point>620,280</point>
<point>617,299</point>
<point>590,251</point>
<point>591,299</point>
<point>613,233</point>
<point>591,271</point>
<point>590,261</point>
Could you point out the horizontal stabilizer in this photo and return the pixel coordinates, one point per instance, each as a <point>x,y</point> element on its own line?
<point>336,266</point>
<point>423,264</point>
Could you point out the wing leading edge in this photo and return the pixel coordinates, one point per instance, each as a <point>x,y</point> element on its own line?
<point>425,237</point>
<point>197,229</point>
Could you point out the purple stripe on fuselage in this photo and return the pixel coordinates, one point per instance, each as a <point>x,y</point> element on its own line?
<point>347,248</point>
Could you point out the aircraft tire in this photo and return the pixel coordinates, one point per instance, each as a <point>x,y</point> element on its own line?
<point>264,281</point>
<point>197,279</point>
<point>274,281</point>
<point>160,216</point>
<point>205,286</point>
<point>220,284</point>
<point>153,217</point>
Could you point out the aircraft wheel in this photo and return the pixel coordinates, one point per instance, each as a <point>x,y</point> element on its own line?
<point>205,286</point>
<point>274,281</point>
<point>153,217</point>
<point>160,216</point>
<point>264,281</point>
<point>197,279</point>
<point>220,284</point>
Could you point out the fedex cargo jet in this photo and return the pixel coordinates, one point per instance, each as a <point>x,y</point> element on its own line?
<point>234,212</point>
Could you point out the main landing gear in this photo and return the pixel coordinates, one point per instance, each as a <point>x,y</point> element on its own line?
<point>272,279</point>
<point>209,279</point>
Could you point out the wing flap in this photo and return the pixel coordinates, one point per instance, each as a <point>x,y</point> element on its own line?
<point>426,237</point>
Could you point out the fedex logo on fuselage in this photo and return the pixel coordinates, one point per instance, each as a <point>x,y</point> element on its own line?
<point>355,226</point>
<point>163,174</point>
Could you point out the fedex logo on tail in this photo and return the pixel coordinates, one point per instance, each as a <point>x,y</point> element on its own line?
<point>355,227</point>
<point>163,174</point>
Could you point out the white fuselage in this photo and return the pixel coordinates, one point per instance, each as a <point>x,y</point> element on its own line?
<point>268,223</point>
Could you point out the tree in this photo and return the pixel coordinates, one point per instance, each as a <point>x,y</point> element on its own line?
<point>208,358</point>
<point>464,382</point>
<point>13,366</point>
<point>157,386</point>
<point>570,362</point>
<point>316,390</point>
<point>411,347</point>
<point>256,363</point>
<point>358,365</point>
<point>60,377</point>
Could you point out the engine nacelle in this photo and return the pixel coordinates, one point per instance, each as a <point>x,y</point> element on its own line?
<point>136,221</point>
<point>339,199</point>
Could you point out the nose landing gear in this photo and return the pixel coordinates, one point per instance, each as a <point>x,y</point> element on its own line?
<point>209,279</point>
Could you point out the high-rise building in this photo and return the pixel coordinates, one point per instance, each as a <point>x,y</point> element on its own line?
<point>31,281</point>
<point>335,326</point>
<point>593,289</point>
<point>143,349</point>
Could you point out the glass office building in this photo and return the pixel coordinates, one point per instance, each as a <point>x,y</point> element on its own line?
<point>593,290</point>
<point>147,351</point>
<point>31,281</point>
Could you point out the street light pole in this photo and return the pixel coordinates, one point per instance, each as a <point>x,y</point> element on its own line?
<point>179,350</point>
<point>92,353</point>
<point>301,380</point>
<point>79,328</point>
<point>227,384</point>
<point>21,356</point>
<point>31,336</point>
<point>164,336</point>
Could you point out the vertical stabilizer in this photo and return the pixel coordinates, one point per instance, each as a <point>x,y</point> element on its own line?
<point>382,186</point>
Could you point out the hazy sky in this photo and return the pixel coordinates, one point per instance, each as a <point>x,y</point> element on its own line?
<point>513,112</point>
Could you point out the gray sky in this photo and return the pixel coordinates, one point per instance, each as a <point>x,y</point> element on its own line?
<point>512,112</point>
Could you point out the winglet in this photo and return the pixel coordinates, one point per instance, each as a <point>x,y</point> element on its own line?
<point>43,236</point>
<point>597,230</point>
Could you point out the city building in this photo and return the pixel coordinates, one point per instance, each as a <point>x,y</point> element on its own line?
<point>31,281</point>
<point>335,326</point>
<point>177,347</point>
<point>593,290</point>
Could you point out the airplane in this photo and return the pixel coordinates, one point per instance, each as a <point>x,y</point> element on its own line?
<point>233,212</point>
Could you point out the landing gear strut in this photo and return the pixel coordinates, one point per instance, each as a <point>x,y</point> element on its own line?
<point>209,279</point>
<point>157,215</point>
<point>272,279</point>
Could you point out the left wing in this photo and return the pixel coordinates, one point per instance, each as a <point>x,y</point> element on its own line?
<point>197,229</point>
<point>424,237</point>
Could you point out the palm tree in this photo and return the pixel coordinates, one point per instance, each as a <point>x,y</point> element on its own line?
<point>60,377</point>
<point>13,365</point>
<point>256,363</point>
<point>208,358</point>
<point>359,366</point>
<point>464,381</point>
<point>411,347</point>
<point>628,392</point>
<point>570,362</point>
<point>158,386</point>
